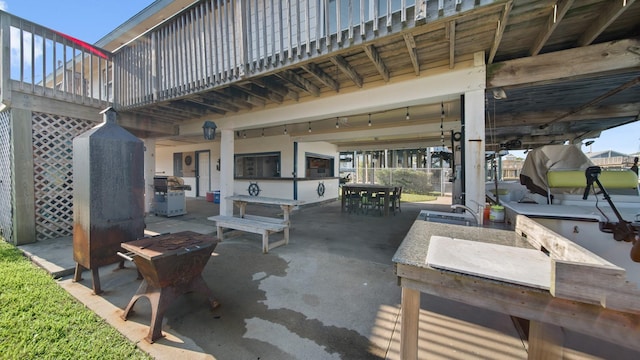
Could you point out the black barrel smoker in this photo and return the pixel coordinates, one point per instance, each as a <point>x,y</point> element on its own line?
<point>108,195</point>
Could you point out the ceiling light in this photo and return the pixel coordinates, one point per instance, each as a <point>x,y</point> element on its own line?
<point>498,93</point>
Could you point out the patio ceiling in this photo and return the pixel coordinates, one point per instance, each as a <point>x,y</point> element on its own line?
<point>557,70</point>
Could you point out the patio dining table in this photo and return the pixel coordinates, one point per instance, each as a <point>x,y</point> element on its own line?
<point>371,188</point>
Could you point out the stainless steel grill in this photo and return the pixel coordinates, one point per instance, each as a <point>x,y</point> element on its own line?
<point>169,197</point>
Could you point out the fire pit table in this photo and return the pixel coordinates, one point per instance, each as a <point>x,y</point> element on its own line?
<point>171,265</point>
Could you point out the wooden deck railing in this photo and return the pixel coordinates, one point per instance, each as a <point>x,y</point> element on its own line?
<point>210,44</point>
<point>216,42</point>
<point>41,61</point>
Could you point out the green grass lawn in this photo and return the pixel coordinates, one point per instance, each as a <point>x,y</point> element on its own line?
<point>39,320</point>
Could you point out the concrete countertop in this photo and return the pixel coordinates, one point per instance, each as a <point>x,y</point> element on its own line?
<point>413,249</point>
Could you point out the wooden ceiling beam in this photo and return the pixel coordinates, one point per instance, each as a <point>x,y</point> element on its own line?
<point>273,86</point>
<point>299,82</point>
<point>591,113</point>
<point>322,76</point>
<point>598,99</point>
<point>549,68</point>
<point>555,17</point>
<point>207,104</point>
<point>147,123</point>
<point>377,61</point>
<point>610,14</point>
<point>260,92</point>
<point>502,25</point>
<point>188,110</point>
<point>228,99</point>
<point>347,69</point>
<point>410,41</point>
<point>219,102</point>
<point>451,36</point>
<point>160,116</point>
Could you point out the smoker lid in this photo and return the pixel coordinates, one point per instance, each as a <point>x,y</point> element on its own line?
<point>170,182</point>
<point>170,244</point>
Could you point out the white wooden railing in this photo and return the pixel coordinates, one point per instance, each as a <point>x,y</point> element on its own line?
<point>210,44</point>
<point>41,61</point>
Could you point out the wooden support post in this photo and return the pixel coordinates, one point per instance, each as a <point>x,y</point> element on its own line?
<point>545,341</point>
<point>410,305</point>
<point>24,224</point>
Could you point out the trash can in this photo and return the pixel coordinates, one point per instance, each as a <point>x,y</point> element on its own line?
<point>216,197</point>
<point>209,196</point>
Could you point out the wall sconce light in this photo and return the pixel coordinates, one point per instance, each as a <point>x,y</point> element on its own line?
<point>498,93</point>
<point>285,129</point>
<point>209,130</point>
<point>407,116</point>
<point>369,124</point>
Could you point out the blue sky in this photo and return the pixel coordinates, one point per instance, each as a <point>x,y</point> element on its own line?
<point>90,20</point>
<point>87,20</point>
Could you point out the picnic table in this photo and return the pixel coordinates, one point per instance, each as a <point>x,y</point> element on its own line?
<point>262,225</point>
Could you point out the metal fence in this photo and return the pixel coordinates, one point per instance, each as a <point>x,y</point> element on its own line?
<point>415,181</point>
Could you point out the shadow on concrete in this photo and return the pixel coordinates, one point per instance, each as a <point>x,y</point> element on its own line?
<point>331,293</point>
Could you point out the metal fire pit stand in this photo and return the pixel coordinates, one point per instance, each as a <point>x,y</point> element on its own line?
<point>171,265</point>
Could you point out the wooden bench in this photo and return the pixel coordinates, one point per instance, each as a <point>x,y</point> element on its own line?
<point>256,225</point>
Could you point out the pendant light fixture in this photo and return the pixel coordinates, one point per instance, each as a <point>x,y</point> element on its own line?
<point>407,117</point>
<point>369,120</point>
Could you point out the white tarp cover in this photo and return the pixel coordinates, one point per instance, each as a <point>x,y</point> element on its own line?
<point>552,157</point>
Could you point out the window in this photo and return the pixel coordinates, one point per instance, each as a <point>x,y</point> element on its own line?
<point>319,165</point>
<point>261,165</point>
<point>184,164</point>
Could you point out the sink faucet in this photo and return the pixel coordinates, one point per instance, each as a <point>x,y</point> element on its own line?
<point>475,215</point>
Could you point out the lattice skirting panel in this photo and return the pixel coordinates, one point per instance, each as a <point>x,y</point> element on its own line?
<point>6,177</point>
<point>53,172</point>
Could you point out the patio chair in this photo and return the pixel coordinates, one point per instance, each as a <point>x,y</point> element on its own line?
<point>373,201</point>
<point>353,201</point>
<point>395,199</point>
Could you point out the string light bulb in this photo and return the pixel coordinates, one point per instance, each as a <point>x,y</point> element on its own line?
<point>407,116</point>
<point>337,123</point>
<point>285,129</point>
<point>369,124</point>
<point>309,126</point>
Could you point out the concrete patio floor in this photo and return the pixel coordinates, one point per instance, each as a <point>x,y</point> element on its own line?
<point>331,293</point>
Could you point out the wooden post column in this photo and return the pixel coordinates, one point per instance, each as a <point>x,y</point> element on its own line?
<point>24,223</point>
